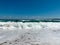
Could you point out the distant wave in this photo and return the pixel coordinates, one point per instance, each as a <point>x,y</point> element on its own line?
<point>30,20</point>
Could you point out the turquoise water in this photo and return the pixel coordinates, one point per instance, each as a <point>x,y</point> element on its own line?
<point>30,20</point>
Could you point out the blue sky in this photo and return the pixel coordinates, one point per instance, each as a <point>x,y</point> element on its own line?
<point>42,8</point>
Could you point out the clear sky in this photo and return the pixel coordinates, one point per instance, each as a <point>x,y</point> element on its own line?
<point>43,8</point>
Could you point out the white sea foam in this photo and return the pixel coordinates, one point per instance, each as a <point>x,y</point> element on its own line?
<point>29,25</point>
<point>45,32</point>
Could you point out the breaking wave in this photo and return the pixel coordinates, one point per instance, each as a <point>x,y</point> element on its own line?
<point>29,25</point>
<point>13,24</point>
<point>43,31</point>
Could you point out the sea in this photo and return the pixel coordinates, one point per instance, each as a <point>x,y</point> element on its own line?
<point>30,31</point>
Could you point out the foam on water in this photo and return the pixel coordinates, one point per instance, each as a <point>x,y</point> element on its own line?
<point>29,25</point>
<point>42,32</point>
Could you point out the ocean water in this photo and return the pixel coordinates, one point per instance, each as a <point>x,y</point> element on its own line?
<point>43,32</point>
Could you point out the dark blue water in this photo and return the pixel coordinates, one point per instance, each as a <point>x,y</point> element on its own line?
<point>31,20</point>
